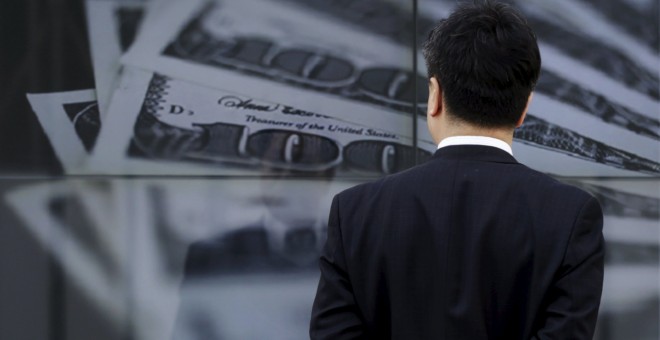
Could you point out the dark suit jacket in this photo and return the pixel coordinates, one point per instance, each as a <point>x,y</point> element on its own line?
<point>469,245</point>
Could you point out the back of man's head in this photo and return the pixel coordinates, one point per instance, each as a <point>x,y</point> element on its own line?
<point>486,59</point>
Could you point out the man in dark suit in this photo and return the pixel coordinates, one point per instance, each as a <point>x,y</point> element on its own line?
<point>471,244</point>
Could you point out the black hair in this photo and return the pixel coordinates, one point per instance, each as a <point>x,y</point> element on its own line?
<point>487,61</point>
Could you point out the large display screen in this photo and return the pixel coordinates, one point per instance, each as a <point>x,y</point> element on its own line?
<point>170,163</point>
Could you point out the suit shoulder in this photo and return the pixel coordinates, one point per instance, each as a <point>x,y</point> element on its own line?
<point>371,188</point>
<point>548,184</point>
<point>358,190</point>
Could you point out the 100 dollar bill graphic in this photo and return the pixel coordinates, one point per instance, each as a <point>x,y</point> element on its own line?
<point>279,53</point>
<point>221,133</point>
<point>300,66</point>
<point>209,43</point>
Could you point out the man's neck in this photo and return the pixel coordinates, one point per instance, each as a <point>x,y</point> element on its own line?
<point>505,135</point>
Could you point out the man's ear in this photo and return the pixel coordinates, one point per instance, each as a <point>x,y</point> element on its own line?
<point>435,98</point>
<point>524,114</point>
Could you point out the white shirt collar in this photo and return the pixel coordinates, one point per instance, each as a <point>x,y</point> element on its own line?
<point>476,140</point>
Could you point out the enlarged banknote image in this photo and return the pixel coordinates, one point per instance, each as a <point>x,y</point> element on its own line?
<point>204,43</point>
<point>274,50</point>
<point>158,120</point>
<point>301,67</point>
<point>594,112</point>
<point>72,121</point>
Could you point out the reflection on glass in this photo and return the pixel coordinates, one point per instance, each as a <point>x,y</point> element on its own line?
<point>200,259</point>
